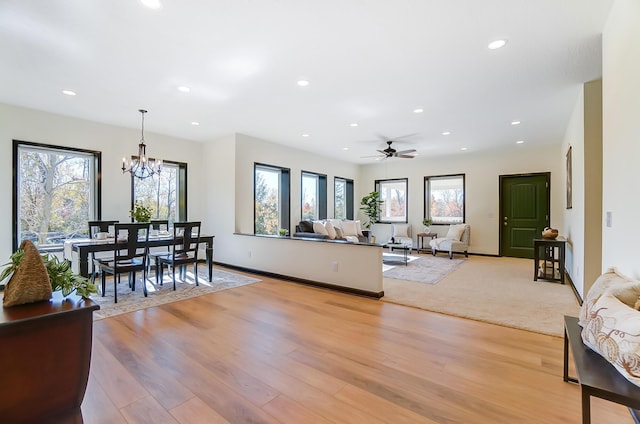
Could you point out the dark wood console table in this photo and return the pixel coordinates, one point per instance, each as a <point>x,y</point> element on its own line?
<point>45,352</point>
<point>596,376</point>
<point>548,259</point>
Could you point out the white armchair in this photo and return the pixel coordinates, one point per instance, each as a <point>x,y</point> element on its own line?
<point>456,240</point>
<point>401,233</point>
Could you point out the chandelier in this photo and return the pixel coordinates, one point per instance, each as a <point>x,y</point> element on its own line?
<point>141,166</point>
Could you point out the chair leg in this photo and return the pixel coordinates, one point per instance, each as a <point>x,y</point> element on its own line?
<point>450,254</point>
<point>116,281</point>
<point>144,281</point>
<point>132,281</point>
<point>173,269</point>
<point>195,272</point>
<point>104,282</point>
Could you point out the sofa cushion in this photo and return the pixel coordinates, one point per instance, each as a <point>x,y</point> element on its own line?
<point>338,231</point>
<point>455,232</point>
<point>306,226</point>
<point>349,228</point>
<point>337,223</point>
<point>318,227</point>
<point>330,230</point>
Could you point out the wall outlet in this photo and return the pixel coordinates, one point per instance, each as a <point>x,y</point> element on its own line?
<point>609,219</point>
<point>334,266</point>
<point>249,254</point>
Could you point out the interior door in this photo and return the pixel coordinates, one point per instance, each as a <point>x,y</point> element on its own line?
<point>524,212</point>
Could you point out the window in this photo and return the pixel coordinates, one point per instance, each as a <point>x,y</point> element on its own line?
<point>313,196</point>
<point>444,199</point>
<point>56,190</point>
<point>394,195</point>
<point>343,198</point>
<point>271,199</point>
<point>165,194</point>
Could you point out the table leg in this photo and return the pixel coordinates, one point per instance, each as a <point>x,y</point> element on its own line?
<point>209,250</point>
<point>586,407</point>
<point>83,262</point>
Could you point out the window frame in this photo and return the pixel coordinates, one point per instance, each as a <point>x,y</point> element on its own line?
<point>377,185</point>
<point>348,202</point>
<point>321,194</point>
<point>284,196</point>
<point>182,190</point>
<point>427,197</point>
<point>96,186</point>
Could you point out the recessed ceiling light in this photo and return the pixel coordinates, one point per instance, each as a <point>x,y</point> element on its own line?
<point>303,83</point>
<point>184,89</point>
<point>519,141</point>
<point>463,148</point>
<point>354,124</point>
<point>497,44</point>
<point>152,4</point>
<point>305,135</point>
<point>446,133</point>
<point>418,110</point>
<point>69,92</point>
<point>195,123</point>
<point>345,148</point>
<point>515,122</point>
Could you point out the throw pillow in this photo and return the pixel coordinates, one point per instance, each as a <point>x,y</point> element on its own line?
<point>609,279</point>
<point>306,226</point>
<point>359,228</point>
<point>612,331</point>
<point>339,234</point>
<point>401,230</point>
<point>318,227</point>
<point>455,232</point>
<point>330,230</point>
<point>349,228</point>
<point>337,223</point>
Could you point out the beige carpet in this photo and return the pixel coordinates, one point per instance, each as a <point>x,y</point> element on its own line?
<point>129,301</point>
<point>496,290</point>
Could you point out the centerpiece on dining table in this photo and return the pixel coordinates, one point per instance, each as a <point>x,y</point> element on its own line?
<point>140,212</point>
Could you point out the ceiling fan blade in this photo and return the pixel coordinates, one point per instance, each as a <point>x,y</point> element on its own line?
<point>405,152</point>
<point>374,156</point>
<point>382,151</point>
<point>405,156</point>
<point>404,136</point>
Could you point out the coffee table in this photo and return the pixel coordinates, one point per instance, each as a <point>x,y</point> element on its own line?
<point>404,247</point>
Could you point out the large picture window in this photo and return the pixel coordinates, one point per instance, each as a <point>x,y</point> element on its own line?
<point>445,199</point>
<point>165,193</point>
<point>56,191</point>
<point>393,193</point>
<point>313,196</point>
<point>271,199</point>
<point>343,198</point>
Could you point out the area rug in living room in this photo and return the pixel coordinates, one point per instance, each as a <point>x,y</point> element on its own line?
<point>129,301</point>
<point>423,269</point>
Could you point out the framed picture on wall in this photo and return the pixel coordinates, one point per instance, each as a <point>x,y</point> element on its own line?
<point>569,188</point>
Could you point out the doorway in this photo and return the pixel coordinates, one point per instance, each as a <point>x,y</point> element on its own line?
<point>524,212</point>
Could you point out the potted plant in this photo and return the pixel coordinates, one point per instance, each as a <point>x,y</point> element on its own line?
<point>61,277</point>
<point>371,206</point>
<point>140,212</point>
<point>283,232</point>
<point>426,222</point>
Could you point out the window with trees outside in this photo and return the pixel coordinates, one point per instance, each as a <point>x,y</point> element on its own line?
<point>393,193</point>
<point>271,199</point>
<point>56,191</point>
<point>313,196</point>
<point>445,198</point>
<point>343,198</point>
<point>165,193</point>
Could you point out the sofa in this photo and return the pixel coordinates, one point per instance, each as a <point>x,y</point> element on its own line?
<point>331,229</point>
<point>455,240</point>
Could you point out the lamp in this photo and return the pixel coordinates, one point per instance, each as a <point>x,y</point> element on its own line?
<point>142,166</point>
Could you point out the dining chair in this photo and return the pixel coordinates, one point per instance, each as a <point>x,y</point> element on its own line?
<point>183,251</point>
<point>96,227</point>
<point>130,255</point>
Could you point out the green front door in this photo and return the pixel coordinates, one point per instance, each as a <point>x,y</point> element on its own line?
<point>524,206</point>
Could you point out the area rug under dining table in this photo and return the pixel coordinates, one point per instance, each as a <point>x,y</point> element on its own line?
<point>129,301</point>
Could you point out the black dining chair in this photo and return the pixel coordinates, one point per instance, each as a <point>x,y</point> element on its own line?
<point>130,255</point>
<point>183,251</point>
<point>96,227</point>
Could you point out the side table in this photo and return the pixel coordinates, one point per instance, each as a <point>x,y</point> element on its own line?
<point>421,237</point>
<point>548,259</point>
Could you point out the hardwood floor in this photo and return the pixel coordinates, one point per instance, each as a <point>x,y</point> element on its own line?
<point>278,352</point>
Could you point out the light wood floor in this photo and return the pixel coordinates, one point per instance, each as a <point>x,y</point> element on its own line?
<point>280,352</point>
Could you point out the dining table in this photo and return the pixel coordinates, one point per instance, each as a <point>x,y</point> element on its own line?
<point>84,247</point>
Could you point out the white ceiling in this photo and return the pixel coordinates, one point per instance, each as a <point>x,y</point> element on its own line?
<point>368,61</point>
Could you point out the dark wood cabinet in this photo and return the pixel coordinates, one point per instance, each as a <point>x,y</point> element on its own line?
<point>548,259</point>
<point>45,352</point>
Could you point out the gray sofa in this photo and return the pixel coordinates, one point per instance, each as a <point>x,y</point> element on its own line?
<point>305,230</point>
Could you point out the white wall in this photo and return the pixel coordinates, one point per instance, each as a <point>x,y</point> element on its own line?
<point>621,135</point>
<point>482,186</point>
<point>114,143</point>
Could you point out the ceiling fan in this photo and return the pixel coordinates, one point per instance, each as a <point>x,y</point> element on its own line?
<point>390,152</point>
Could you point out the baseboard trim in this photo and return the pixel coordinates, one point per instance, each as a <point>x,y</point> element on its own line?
<point>349,290</point>
<point>567,277</point>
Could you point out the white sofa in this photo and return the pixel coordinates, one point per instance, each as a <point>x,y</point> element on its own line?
<point>455,240</point>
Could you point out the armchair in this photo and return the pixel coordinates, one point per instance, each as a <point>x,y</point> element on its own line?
<point>456,240</point>
<point>401,233</point>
